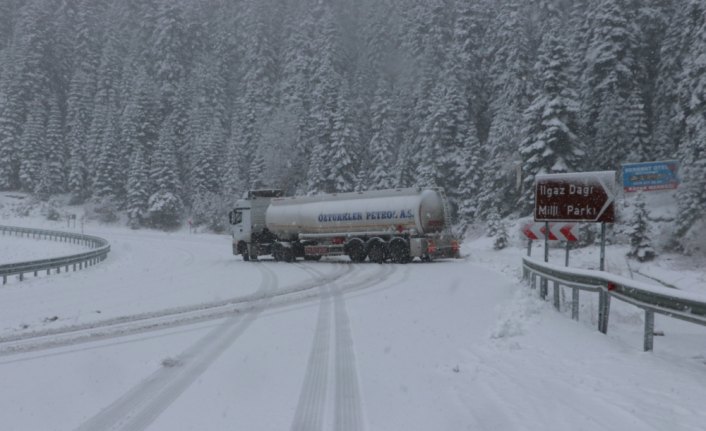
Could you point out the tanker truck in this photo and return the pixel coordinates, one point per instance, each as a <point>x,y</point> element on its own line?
<point>396,225</point>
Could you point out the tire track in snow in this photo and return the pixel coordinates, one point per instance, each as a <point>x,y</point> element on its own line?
<point>142,404</point>
<point>347,406</point>
<point>312,400</point>
<point>164,319</point>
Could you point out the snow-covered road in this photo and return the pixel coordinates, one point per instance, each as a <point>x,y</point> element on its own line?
<point>173,332</point>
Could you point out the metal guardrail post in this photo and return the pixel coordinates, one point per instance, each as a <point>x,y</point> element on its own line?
<point>575,303</point>
<point>557,302</point>
<point>603,311</point>
<point>649,330</point>
<point>543,287</point>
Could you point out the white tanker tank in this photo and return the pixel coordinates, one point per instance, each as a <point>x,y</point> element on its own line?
<point>396,224</point>
<point>416,211</point>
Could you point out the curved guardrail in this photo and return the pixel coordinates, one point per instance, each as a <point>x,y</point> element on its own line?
<point>687,306</point>
<point>100,249</point>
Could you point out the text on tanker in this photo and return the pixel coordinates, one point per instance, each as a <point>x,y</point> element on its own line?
<point>369,215</point>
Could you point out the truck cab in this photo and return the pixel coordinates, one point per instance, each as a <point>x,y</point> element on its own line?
<point>248,221</point>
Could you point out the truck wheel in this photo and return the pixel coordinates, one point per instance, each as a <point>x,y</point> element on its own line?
<point>251,251</point>
<point>277,252</point>
<point>287,254</point>
<point>356,251</point>
<point>242,249</point>
<point>376,253</point>
<point>399,252</point>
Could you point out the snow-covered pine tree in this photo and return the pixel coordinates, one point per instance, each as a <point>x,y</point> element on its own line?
<point>109,177</point>
<point>25,81</point>
<point>509,68</point>
<point>42,188</point>
<point>611,134</point>
<point>493,222</point>
<point>608,80</point>
<point>138,134</point>
<point>10,134</point>
<point>668,121</point>
<point>471,56</point>
<point>637,130</point>
<point>33,145</point>
<point>168,48</point>
<point>234,181</point>
<point>651,18</point>
<point>103,130</point>
<point>381,145</point>
<point>501,237</point>
<point>256,173</point>
<point>471,179</point>
<point>692,151</point>
<point>640,241</point>
<point>344,141</point>
<point>165,204</point>
<point>206,134</point>
<point>80,94</point>
<point>78,173</point>
<point>316,176</point>
<point>551,128</point>
<point>55,153</point>
<point>137,190</point>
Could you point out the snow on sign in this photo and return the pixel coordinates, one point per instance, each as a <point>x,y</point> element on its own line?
<point>557,231</point>
<point>650,176</point>
<point>581,196</point>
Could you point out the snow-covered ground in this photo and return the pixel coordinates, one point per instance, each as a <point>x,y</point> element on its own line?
<point>172,332</point>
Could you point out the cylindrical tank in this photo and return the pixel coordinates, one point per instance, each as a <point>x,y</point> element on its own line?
<point>414,211</point>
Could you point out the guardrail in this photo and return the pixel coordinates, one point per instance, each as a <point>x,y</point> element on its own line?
<point>687,306</point>
<point>100,251</point>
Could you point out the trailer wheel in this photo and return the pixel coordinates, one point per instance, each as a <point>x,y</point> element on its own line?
<point>376,252</point>
<point>399,251</point>
<point>356,250</point>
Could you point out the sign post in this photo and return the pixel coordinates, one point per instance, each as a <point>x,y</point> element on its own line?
<point>543,287</point>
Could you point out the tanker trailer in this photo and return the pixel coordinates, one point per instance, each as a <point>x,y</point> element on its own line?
<point>396,225</point>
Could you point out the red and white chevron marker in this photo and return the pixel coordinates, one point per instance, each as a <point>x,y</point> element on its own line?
<point>557,231</point>
<point>565,231</point>
<point>531,233</point>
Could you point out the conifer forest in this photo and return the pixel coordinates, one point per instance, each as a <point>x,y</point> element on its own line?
<point>166,109</point>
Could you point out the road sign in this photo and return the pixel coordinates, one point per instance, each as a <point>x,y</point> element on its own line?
<point>582,196</point>
<point>557,231</point>
<point>650,176</point>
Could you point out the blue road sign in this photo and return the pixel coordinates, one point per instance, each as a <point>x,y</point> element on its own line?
<point>650,176</point>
